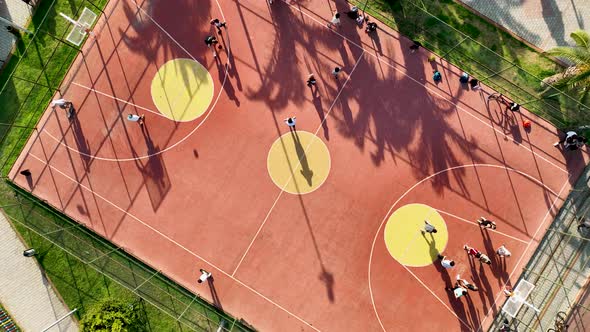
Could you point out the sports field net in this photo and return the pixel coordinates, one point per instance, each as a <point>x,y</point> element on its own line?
<point>38,223</point>
<point>80,28</point>
<point>466,48</point>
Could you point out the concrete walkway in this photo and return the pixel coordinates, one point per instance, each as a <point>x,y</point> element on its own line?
<point>543,23</point>
<point>14,11</point>
<point>24,291</point>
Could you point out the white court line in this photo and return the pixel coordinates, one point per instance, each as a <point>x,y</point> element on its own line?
<point>298,163</point>
<point>416,185</point>
<point>428,88</point>
<point>500,294</point>
<point>211,108</point>
<point>176,243</point>
<point>476,224</point>
<point>119,99</point>
<point>436,296</point>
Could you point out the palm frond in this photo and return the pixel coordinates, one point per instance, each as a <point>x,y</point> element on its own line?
<point>577,55</point>
<point>582,38</point>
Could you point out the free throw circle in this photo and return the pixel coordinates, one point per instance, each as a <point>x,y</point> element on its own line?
<point>405,241</point>
<point>182,89</point>
<point>298,162</point>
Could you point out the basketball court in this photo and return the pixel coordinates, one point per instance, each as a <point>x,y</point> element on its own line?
<point>316,229</point>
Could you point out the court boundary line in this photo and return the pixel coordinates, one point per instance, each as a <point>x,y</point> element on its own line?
<point>457,106</point>
<point>299,163</point>
<point>419,183</point>
<point>467,221</point>
<point>166,237</point>
<point>525,250</point>
<point>117,99</point>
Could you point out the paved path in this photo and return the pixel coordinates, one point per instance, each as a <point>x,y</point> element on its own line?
<point>544,23</point>
<point>24,291</point>
<point>15,11</point>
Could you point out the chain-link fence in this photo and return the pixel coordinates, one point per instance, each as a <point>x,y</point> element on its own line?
<point>467,50</point>
<point>35,71</point>
<point>559,269</point>
<point>188,309</point>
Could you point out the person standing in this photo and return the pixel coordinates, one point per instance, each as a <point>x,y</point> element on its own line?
<point>428,228</point>
<point>336,72</point>
<point>291,122</point>
<point>136,118</point>
<point>484,259</point>
<point>311,81</point>
<point>335,22</point>
<point>436,76</point>
<point>211,42</point>
<point>204,276</point>
<point>503,252</point>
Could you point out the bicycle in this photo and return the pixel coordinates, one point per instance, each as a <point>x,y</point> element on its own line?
<point>560,323</point>
<point>510,105</point>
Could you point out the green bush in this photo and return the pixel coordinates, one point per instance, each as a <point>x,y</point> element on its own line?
<point>113,315</point>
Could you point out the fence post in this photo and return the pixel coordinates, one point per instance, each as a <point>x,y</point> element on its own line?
<point>453,48</point>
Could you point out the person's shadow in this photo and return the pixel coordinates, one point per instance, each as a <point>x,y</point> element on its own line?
<point>305,170</point>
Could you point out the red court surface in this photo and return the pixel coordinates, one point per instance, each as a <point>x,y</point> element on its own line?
<point>187,195</point>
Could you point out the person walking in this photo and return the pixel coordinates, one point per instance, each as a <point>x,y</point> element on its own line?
<point>26,172</point>
<point>291,122</point>
<point>466,284</point>
<point>62,103</point>
<point>211,42</point>
<point>311,80</point>
<point>218,24</point>
<point>335,22</point>
<point>483,222</point>
<point>471,251</point>
<point>336,72</point>
<point>136,118</point>
<point>445,262</point>
<point>428,228</point>
<point>204,276</point>
<point>503,252</point>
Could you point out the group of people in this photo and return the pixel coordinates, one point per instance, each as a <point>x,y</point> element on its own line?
<point>461,286</point>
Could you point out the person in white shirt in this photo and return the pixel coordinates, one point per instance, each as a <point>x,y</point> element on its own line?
<point>428,228</point>
<point>446,263</point>
<point>204,276</point>
<point>503,252</point>
<point>136,118</point>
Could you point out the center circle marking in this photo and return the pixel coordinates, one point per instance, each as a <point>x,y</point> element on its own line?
<point>182,89</point>
<point>405,241</point>
<point>298,162</point>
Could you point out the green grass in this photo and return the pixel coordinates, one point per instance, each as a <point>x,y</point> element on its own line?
<point>503,62</point>
<point>34,73</point>
<point>91,269</point>
<point>29,81</point>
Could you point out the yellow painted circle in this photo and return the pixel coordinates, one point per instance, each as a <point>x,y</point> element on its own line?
<point>298,162</point>
<point>182,89</point>
<point>406,243</point>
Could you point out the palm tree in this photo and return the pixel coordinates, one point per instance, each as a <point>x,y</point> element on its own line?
<point>575,78</point>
